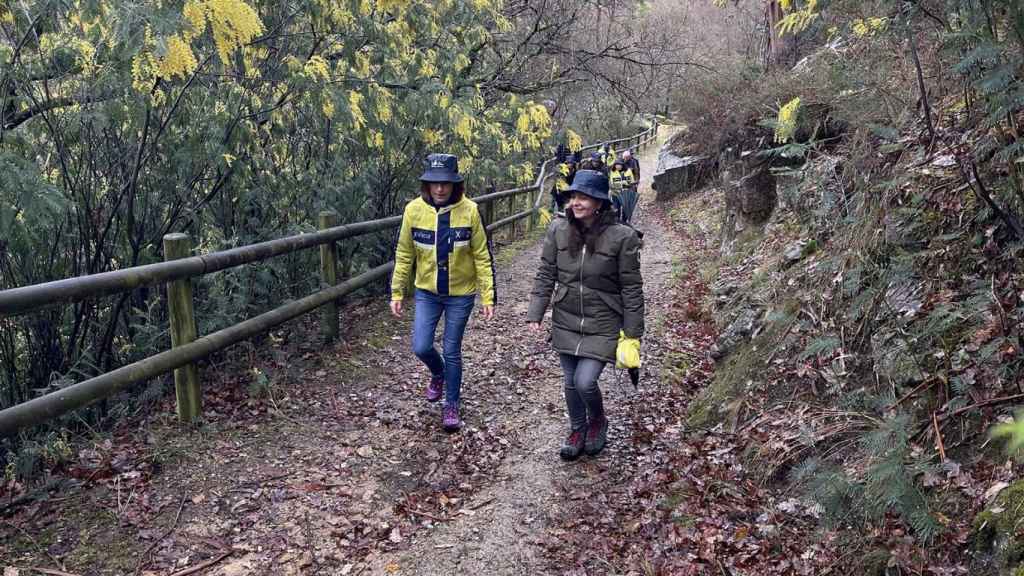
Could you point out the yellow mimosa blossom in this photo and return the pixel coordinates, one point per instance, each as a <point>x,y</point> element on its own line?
<point>178,61</point>
<point>195,14</point>
<point>316,68</point>
<point>390,5</point>
<point>575,142</point>
<point>158,98</point>
<point>523,122</point>
<point>462,124</point>
<point>361,66</point>
<point>431,137</point>
<point>234,24</point>
<point>86,55</point>
<point>797,20</point>
<point>427,66</point>
<point>869,26</point>
<point>786,123</point>
<point>354,109</point>
<point>502,23</point>
<point>382,99</point>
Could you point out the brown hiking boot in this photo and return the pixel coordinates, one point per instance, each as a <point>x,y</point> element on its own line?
<point>597,436</point>
<point>573,446</point>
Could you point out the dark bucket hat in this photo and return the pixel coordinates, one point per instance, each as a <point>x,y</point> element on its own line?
<point>590,182</point>
<point>441,168</point>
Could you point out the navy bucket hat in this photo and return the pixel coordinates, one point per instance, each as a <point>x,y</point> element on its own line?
<point>592,183</point>
<point>441,168</point>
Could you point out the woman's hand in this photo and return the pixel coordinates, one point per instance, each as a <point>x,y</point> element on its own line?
<point>534,327</point>
<point>488,312</point>
<point>396,308</point>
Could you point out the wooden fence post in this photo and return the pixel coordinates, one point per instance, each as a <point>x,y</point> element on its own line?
<point>517,225</point>
<point>531,219</point>
<point>510,236</point>
<point>485,212</point>
<point>183,329</point>
<point>328,276</point>
<point>487,207</point>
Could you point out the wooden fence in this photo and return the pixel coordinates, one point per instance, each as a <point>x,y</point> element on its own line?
<point>179,268</point>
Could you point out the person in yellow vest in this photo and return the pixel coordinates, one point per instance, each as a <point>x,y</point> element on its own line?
<point>443,238</point>
<point>632,163</point>
<point>623,187</point>
<point>608,154</point>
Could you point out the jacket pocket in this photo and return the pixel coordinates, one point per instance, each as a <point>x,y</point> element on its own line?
<point>614,301</point>
<point>560,293</point>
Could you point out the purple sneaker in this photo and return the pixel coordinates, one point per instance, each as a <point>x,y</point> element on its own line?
<point>435,388</point>
<point>451,421</point>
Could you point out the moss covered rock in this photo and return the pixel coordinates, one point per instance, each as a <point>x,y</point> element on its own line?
<point>999,530</point>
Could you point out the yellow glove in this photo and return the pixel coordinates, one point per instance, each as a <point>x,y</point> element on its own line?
<point>627,353</point>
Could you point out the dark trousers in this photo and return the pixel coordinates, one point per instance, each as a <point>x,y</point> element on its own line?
<point>582,395</point>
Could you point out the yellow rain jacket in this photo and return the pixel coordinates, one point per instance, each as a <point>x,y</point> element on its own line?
<point>449,248</point>
<point>609,156</point>
<point>617,180</point>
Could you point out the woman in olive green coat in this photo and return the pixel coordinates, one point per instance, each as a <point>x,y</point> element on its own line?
<point>596,265</point>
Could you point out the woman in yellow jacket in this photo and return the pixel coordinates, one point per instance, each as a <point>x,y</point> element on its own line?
<point>444,240</point>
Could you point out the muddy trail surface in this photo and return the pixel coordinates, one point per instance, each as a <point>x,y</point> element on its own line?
<point>319,460</point>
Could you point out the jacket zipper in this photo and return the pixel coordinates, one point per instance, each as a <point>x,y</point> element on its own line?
<point>583,261</point>
<point>437,252</point>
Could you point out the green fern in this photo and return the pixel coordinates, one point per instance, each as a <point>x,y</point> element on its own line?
<point>825,346</point>
<point>829,486</point>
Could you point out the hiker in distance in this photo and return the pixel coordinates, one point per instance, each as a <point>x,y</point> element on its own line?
<point>444,240</point>
<point>596,264</point>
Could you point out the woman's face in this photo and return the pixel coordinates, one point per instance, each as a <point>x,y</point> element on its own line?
<point>440,192</point>
<point>583,207</point>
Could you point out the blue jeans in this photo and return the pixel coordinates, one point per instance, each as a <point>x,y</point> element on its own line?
<point>456,309</point>
<point>582,394</point>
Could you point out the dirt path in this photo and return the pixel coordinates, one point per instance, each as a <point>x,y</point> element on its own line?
<point>504,535</point>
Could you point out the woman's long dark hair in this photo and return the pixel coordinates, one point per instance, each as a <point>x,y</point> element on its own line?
<point>458,188</point>
<point>579,236</point>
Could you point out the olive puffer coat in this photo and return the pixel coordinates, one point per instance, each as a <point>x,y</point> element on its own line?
<point>599,292</point>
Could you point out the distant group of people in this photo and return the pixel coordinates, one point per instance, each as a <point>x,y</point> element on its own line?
<point>588,274</point>
<point>622,171</point>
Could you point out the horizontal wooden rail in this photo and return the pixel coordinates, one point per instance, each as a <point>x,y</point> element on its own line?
<point>492,196</point>
<point>43,408</point>
<point>28,298</point>
<point>510,219</point>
